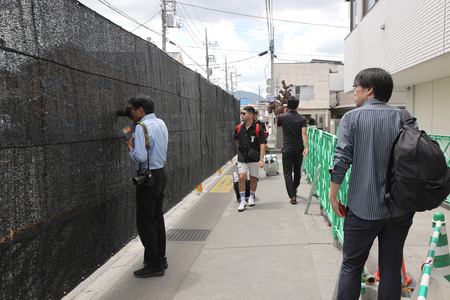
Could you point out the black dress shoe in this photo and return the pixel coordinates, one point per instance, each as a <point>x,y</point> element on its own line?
<point>164,263</point>
<point>293,200</point>
<point>149,271</point>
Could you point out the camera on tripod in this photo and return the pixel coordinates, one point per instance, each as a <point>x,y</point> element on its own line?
<point>144,178</point>
<point>124,112</point>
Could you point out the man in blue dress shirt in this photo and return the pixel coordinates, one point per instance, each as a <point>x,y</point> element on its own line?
<point>149,198</point>
<point>364,139</point>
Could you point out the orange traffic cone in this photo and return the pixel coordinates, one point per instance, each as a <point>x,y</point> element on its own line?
<point>408,279</point>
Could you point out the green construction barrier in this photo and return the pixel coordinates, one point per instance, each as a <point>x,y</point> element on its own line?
<point>444,143</point>
<point>321,152</point>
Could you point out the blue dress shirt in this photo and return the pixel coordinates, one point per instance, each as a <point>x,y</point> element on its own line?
<point>158,139</point>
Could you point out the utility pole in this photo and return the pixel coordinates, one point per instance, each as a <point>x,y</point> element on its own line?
<point>259,99</point>
<point>236,76</point>
<point>272,55</point>
<point>163,19</point>
<point>236,82</point>
<point>207,56</point>
<point>231,79</point>
<point>168,11</point>
<point>226,74</point>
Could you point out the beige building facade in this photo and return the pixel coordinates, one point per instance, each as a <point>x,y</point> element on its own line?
<point>312,84</point>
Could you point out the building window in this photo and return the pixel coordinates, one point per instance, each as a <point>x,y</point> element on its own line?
<point>353,13</point>
<point>367,5</point>
<point>304,92</point>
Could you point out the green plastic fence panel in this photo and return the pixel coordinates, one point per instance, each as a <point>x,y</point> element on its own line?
<point>444,143</point>
<point>321,152</point>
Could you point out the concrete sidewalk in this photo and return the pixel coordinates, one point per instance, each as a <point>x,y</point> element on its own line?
<point>270,251</point>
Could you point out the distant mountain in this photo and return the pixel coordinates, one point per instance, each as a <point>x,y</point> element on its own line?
<point>252,97</point>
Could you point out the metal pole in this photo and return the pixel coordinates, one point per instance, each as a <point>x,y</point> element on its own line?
<point>226,74</point>
<point>272,89</point>
<point>259,100</point>
<point>231,79</point>
<point>272,82</point>
<point>207,58</point>
<point>163,19</point>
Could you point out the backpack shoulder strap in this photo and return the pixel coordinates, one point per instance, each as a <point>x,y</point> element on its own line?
<point>238,128</point>
<point>257,132</point>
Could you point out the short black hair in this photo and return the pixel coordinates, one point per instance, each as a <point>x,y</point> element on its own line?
<point>143,101</point>
<point>256,112</point>
<point>250,109</point>
<point>378,79</point>
<point>293,102</point>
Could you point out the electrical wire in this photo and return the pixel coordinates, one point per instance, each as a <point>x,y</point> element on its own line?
<point>147,21</point>
<point>104,2</point>
<point>142,25</point>
<point>257,17</point>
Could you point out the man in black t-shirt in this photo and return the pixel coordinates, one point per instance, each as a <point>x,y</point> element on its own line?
<point>295,146</point>
<point>261,124</point>
<point>250,148</point>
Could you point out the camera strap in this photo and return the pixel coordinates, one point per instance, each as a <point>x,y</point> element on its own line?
<point>147,143</point>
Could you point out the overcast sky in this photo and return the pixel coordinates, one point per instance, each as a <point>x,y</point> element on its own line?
<point>239,29</point>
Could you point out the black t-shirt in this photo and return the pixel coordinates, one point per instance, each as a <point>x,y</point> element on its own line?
<point>261,124</point>
<point>248,140</point>
<point>292,123</point>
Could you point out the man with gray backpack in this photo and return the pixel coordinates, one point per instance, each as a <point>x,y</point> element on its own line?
<point>364,141</point>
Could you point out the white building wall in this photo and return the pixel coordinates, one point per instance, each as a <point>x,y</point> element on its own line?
<point>415,31</point>
<point>336,77</point>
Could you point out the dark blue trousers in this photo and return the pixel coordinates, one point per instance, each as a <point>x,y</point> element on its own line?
<point>150,219</point>
<point>359,235</point>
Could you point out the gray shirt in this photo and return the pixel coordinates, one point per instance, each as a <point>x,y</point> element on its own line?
<point>364,140</point>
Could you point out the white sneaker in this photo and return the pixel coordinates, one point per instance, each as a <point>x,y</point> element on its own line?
<point>251,201</point>
<point>242,206</point>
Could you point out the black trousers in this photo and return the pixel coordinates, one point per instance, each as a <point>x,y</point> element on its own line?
<point>150,218</point>
<point>359,235</point>
<point>292,159</point>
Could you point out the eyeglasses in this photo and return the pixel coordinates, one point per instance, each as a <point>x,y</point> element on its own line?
<point>243,113</point>
<point>355,86</point>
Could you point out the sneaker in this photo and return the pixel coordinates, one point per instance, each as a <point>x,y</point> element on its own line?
<point>242,206</point>
<point>149,271</point>
<point>251,201</point>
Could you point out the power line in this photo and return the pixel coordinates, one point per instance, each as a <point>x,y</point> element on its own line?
<point>146,21</point>
<point>142,25</point>
<point>104,2</point>
<point>257,17</point>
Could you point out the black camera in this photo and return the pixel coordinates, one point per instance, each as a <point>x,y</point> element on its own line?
<point>124,112</point>
<point>144,178</point>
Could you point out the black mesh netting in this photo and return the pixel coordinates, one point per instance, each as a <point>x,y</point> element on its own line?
<point>66,197</point>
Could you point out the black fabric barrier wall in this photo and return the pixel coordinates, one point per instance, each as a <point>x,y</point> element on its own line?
<point>66,196</point>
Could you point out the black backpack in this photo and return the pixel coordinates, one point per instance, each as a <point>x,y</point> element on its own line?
<point>418,169</point>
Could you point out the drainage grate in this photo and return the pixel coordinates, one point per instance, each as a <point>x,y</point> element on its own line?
<point>187,235</point>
